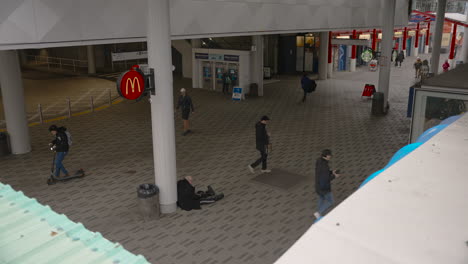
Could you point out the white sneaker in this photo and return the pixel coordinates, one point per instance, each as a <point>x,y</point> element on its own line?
<point>251,169</point>
<point>317,215</point>
<point>265,171</point>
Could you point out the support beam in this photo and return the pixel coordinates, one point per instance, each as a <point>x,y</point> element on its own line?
<point>452,46</point>
<point>257,63</point>
<point>13,102</point>
<point>91,60</point>
<point>387,40</point>
<point>416,42</point>
<point>405,37</point>
<point>352,64</point>
<point>330,56</point>
<point>323,56</point>
<point>162,106</point>
<point>428,37</point>
<point>437,39</point>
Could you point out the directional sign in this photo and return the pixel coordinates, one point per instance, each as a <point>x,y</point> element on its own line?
<point>131,84</point>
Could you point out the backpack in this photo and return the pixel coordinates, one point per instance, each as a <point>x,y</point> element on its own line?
<point>311,85</point>
<point>69,136</point>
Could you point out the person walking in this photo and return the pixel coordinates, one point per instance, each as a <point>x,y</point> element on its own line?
<point>226,83</point>
<point>305,82</point>
<point>424,69</point>
<point>394,55</point>
<point>417,67</point>
<point>262,139</point>
<point>323,178</point>
<point>446,66</point>
<point>61,147</point>
<point>185,103</point>
<point>399,59</point>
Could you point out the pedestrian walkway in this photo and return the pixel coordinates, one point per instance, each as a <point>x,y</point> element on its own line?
<point>255,222</point>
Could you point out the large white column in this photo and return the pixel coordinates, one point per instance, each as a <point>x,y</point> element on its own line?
<point>162,106</point>
<point>257,69</point>
<point>387,43</point>
<point>437,37</point>
<point>91,60</point>
<point>13,102</point>
<point>464,55</point>
<point>323,56</point>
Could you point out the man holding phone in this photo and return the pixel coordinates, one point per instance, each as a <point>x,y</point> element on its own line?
<point>323,178</point>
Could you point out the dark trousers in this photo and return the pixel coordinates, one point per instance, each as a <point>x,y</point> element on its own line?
<point>396,63</point>
<point>225,88</point>
<point>305,96</point>
<point>262,159</point>
<point>60,156</point>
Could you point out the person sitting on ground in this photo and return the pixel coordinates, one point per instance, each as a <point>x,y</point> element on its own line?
<point>188,200</point>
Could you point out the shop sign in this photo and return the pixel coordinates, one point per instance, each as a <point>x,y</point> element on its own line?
<point>131,84</point>
<point>216,57</point>
<point>201,56</point>
<point>231,57</point>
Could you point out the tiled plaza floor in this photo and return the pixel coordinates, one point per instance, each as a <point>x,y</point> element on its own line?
<point>254,223</point>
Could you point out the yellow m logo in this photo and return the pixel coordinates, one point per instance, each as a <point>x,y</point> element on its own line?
<point>132,83</point>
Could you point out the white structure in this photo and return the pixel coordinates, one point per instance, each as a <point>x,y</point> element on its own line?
<point>413,212</point>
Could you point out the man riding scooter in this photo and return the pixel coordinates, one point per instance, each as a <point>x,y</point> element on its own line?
<point>60,145</point>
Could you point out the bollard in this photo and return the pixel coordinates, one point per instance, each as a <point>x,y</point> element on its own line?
<point>41,118</point>
<point>69,107</point>
<point>92,104</point>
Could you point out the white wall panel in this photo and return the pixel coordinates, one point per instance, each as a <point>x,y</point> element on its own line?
<point>48,22</point>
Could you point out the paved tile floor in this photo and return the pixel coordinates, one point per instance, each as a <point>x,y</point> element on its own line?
<point>254,223</point>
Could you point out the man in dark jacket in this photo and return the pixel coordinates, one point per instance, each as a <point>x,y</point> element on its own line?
<point>262,139</point>
<point>323,178</point>
<point>60,145</point>
<point>188,200</point>
<point>185,102</point>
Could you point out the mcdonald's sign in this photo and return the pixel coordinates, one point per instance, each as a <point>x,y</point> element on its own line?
<point>131,84</point>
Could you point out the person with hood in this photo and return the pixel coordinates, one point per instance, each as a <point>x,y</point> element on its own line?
<point>188,200</point>
<point>61,147</point>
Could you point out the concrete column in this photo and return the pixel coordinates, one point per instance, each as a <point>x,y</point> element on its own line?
<point>428,36</point>
<point>275,54</point>
<point>196,43</point>
<point>437,40</point>
<point>323,56</point>
<point>352,63</point>
<point>13,102</point>
<point>387,41</point>
<point>330,56</point>
<point>91,60</point>
<point>257,59</point>
<point>162,106</point>
<point>464,55</point>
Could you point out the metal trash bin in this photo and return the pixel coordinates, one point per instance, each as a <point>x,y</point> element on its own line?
<point>148,201</point>
<point>253,89</point>
<point>378,104</point>
<point>4,149</point>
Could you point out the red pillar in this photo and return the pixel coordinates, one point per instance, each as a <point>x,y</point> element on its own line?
<point>452,44</point>
<point>353,50</point>
<point>405,35</point>
<point>330,47</point>
<point>374,40</point>
<point>416,43</point>
<point>428,33</point>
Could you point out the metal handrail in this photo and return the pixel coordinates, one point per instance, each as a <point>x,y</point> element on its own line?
<point>56,62</point>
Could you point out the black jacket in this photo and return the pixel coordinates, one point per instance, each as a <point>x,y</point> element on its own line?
<point>186,103</point>
<point>61,141</point>
<point>323,176</point>
<point>186,197</point>
<point>261,136</point>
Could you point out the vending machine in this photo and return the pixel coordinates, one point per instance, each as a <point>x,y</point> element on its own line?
<point>220,69</point>
<point>233,70</point>
<point>207,75</point>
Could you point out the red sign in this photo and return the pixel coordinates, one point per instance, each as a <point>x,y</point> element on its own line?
<point>131,84</point>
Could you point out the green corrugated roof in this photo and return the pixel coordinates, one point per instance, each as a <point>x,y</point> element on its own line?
<point>32,233</point>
